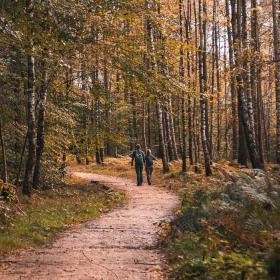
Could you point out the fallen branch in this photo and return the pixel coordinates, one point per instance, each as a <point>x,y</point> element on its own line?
<point>106,268</point>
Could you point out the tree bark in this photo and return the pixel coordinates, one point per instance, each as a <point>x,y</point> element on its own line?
<point>183,102</point>
<point>31,123</point>
<point>144,138</point>
<point>40,145</point>
<point>172,129</point>
<point>151,49</point>
<point>203,86</point>
<point>276,33</point>
<point>188,27</point>
<point>246,112</point>
<point>168,133</point>
<point>161,138</point>
<point>21,160</point>
<point>231,26</point>
<point>4,157</point>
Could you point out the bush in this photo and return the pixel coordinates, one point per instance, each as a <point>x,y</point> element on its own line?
<point>8,192</point>
<point>226,232</point>
<point>274,264</point>
<point>7,195</point>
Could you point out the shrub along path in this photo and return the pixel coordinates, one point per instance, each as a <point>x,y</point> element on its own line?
<point>119,245</point>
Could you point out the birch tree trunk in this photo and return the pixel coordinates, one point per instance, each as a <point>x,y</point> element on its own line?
<point>31,124</point>
<point>188,27</point>
<point>246,112</point>
<point>203,86</point>
<point>183,102</point>
<point>151,49</point>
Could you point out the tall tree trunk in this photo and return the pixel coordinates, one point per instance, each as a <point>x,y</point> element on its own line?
<point>172,129</point>
<point>196,122</point>
<point>107,90</point>
<point>196,140</point>
<point>41,125</point>
<point>31,123</point>
<point>188,27</point>
<point>184,132</point>
<point>231,48</point>
<point>226,93</point>
<point>130,124</point>
<point>149,125</point>
<point>161,138</point>
<point>86,111</point>
<point>276,32</point>
<point>4,158</point>
<point>179,124</point>
<point>256,84</point>
<point>219,98</point>
<point>144,138</point>
<point>203,86</point>
<point>168,133</point>
<point>183,102</point>
<point>134,117</point>
<point>21,160</point>
<point>151,49</point>
<point>242,150</point>
<point>246,112</point>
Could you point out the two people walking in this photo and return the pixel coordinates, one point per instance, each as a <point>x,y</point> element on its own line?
<point>141,159</point>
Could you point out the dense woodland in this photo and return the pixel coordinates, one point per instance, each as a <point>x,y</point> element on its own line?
<point>195,81</point>
<point>192,80</point>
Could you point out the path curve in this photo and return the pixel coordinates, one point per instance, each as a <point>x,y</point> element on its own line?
<point>119,245</point>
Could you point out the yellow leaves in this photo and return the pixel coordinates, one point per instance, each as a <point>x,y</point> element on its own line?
<point>165,230</point>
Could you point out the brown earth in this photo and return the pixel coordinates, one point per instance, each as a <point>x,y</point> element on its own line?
<point>119,245</point>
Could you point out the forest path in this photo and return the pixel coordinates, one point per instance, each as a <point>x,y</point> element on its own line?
<point>119,245</point>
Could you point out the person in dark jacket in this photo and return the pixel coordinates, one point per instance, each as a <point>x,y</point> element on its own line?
<point>149,163</point>
<point>139,157</point>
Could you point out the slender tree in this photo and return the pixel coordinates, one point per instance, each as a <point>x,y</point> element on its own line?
<point>4,157</point>
<point>203,85</point>
<point>183,101</point>
<point>30,91</point>
<point>276,33</point>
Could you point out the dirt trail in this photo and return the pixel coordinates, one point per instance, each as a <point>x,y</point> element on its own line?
<point>119,245</point>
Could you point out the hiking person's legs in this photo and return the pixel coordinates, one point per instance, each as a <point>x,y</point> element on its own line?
<point>139,172</point>
<point>149,171</point>
<point>141,175</point>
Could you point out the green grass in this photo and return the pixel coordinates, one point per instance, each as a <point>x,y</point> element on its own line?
<point>47,213</point>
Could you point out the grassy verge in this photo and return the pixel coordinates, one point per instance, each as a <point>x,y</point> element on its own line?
<point>36,221</point>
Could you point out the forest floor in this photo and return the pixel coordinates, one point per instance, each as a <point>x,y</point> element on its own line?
<point>226,227</point>
<point>122,244</point>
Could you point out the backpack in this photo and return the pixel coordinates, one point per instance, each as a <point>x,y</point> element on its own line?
<point>149,161</point>
<point>139,159</point>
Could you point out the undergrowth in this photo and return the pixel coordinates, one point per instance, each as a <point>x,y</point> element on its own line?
<point>35,221</point>
<point>228,227</point>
